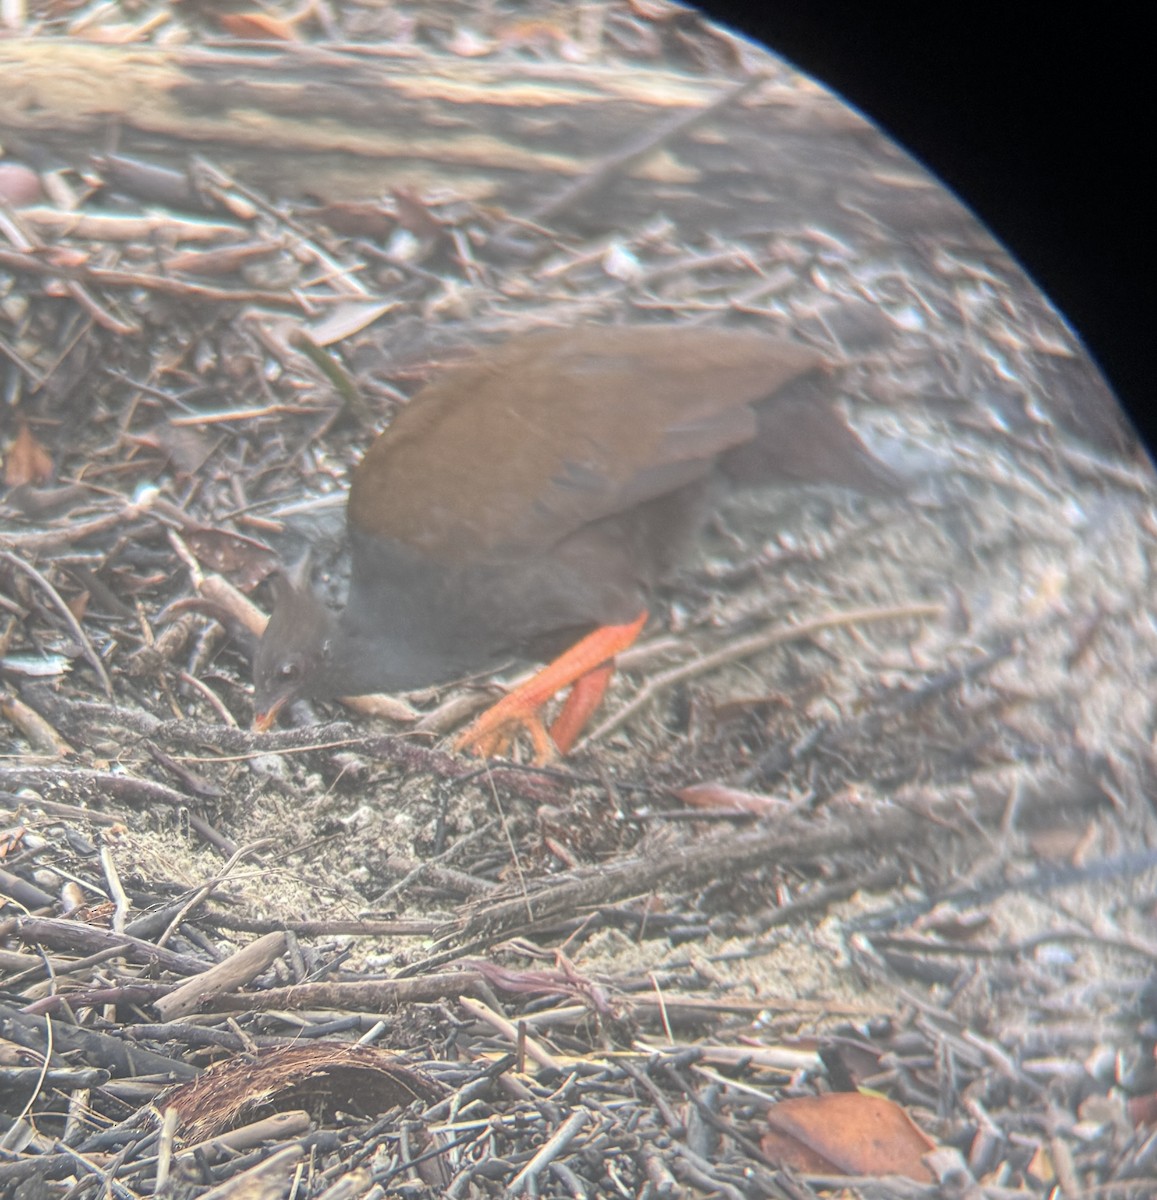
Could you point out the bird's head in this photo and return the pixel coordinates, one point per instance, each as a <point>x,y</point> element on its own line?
<point>296,654</point>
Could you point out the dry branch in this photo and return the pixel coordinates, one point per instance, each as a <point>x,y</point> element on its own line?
<point>552,137</point>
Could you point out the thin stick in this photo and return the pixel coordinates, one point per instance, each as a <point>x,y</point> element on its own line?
<point>74,627</point>
<point>745,648</point>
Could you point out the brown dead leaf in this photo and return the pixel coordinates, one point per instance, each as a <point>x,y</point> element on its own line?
<point>78,604</point>
<point>245,561</point>
<point>719,796</point>
<point>1040,1167</point>
<point>944,922</point>
<point>1057,844</point>
<point>1143,1110</point>
<point>357,218</point>
<point>27,460</point>
<point>65,257</point>
<point>262,26</point>
<point>187,449</point>
<point>414,215</point>
<point>222,262</point>
<point>849,1062</point>
<point>19,185</point>
<point>847,1133</point>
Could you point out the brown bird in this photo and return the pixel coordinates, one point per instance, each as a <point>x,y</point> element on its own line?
<point>539,491</point>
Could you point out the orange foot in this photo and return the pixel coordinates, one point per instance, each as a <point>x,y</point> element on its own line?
<point>588,665</point>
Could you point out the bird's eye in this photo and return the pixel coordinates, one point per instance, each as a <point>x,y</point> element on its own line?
<point>289,671</point>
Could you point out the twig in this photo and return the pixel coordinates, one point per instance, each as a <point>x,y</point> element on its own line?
<point>211,698</point>
<point>628,155</point>
<point>115,890</point>
<point>293,301</point>
<point>481,834</point>
<point>206,889</point>
<point>558,1141</point>
<point>745,648</point>
<point>74,627</point>
<point>510,1031</point>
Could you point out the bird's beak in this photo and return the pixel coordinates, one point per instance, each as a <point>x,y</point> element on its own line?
<point>264,720</point>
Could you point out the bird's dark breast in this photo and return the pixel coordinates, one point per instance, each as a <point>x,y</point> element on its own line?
<point>432,619</point>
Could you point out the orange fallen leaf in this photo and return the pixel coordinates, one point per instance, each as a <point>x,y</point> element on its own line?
<point>65,257</point>
<point>1040,1167</point>
<point>27,460</point>
<point>720,796</point>
<point>261,26</point>
<point>1143,1110</point>
<point>78,604</point>
<point>847,1133</point>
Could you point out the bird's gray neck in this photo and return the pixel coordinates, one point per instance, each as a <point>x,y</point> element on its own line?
<point>407,623</point>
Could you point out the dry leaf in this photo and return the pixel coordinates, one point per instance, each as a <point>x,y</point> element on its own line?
<point>19,185</point>
<point>27,460</point>
<point>245,561</point>
<point>78,604</point>
<point>261,26</point>
<point>847,1133</point>
<point>187,449</point>
<point>1040,1166</point>
<point>414,214</point>
<point>65,257</point>
<point>719,796</point>
<point>1057,844</point>
<point>1143,1110</point>
<point>357,218</point>
<point>346,319</point>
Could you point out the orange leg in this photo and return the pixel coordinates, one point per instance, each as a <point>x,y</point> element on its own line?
<point>587,665</point>
<point>582,700</point>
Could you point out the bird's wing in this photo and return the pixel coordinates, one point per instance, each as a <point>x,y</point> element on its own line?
<point>528,442</point>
